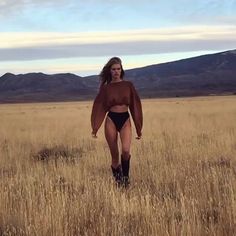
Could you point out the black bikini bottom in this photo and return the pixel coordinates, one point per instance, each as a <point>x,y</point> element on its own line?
<point>118,118</point>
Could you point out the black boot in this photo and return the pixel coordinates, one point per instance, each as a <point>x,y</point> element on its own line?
<point>117,173</point>
<point>125,163</point>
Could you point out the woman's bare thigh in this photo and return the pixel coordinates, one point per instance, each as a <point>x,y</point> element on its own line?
<point>110,132</point>
<point>125,136</point>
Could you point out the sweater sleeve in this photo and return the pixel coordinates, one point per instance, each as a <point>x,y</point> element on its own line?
<point>136,110</point>
<point>98,110</point>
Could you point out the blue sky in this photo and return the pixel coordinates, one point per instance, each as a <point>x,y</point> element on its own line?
<point>80,36</point>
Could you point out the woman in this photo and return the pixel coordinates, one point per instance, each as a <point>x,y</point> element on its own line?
<point>116,96</point>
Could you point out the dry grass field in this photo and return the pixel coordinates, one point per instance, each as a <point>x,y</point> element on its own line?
<point>56,180</point>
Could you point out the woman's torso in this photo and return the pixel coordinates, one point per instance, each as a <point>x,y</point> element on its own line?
<point>118,96</point>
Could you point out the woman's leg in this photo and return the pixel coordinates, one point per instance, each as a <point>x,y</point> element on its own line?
<point>125,137</point>
<point>111,137</point>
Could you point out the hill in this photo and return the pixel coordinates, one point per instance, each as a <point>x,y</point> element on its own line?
<point>202,75</point>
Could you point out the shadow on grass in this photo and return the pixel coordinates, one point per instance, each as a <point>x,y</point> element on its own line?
<point>58,152</point>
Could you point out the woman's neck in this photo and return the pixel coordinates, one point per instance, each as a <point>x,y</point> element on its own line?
<point>116,80</point>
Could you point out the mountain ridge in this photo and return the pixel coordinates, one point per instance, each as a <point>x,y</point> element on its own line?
<point>202,75</point>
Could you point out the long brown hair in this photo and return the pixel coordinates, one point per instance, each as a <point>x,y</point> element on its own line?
<point>105,74</point>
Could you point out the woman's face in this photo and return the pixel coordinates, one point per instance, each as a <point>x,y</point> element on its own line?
<point>116,71</point>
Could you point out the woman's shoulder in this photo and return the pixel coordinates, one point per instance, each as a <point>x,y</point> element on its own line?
<point>102,89</point>
<point>129,83</point>
<point>103,86</point>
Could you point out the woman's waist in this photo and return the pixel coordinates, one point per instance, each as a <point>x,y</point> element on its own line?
<point>119,108</point>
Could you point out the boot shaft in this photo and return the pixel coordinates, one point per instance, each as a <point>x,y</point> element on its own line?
<point>125,163</point>
<point>117,173</point>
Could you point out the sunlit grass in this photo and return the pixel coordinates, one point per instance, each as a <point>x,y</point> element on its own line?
<point>56,179</point>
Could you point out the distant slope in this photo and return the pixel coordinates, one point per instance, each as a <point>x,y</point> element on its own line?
<point>41,87</point>
<point>202,75</point>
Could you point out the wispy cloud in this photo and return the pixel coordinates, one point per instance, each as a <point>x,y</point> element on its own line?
<point>74,15</point>
<point>90,65</point>
<point>29,46</point>
<point>13,6</point>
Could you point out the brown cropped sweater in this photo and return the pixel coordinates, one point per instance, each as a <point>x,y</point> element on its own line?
<point>118,93</point>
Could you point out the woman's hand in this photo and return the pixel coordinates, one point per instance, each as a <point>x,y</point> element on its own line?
<point>94,135</point>
<point>139,137</point>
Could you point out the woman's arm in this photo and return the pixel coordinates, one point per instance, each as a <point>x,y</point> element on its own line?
<point>136,110</point>
<point>98,111</point>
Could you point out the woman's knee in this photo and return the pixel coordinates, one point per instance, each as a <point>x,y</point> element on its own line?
<point>125,154</point>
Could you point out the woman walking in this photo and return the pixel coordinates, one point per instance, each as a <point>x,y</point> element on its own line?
<point>115,97</point>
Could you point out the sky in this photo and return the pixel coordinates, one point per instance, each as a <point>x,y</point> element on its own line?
<point>77,36</point>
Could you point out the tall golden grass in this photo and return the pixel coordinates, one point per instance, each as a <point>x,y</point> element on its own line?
<point>56,179</point>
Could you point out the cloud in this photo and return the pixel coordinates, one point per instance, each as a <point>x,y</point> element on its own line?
<point>38,46</point>
<point>14,7</point>
<point>196,12</point>
<point>74,15</point>
<point>84,66</point>
<point>48,66</point>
